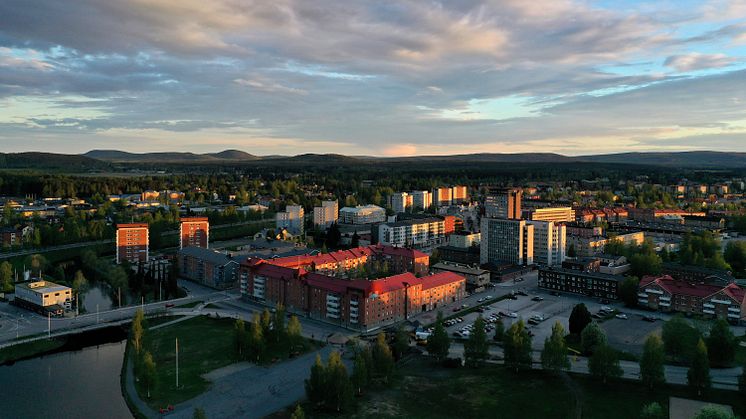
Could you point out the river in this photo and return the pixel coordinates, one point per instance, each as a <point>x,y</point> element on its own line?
<point>74,384</point>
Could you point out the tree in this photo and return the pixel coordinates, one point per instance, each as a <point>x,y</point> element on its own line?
<point>6,276</point>
<point>651,363</point>
<point>401,343</point>
<point>653,411</point>
<point>735,256</point>
<point>383,360</point>
<point>294,332</point>
<point>554,356</point>
<point>199,413</point>
<point>591,338</point>
<point>360,372</point>
<point>439,343</point>
<point>316,383</point>
<point>266,322</point>
<point>241,338</point>
<point>579,319</point>
<point>278,325</point>
<point>721,344</point>
<point>476,348</point>
<point>698,375</point>
<point>338,387</point>
<point>679,337</point>
<point>742,380</point>
<point>499,330</point>
<point>628,291</point>
<point>604,363</point>
<point>138,330</point>
<point>80,283</point>
<point>298,413</point>
<point>713,412</point>
<point>517,346</point>
<point>149,377</point>
<point>571,252</point>
<point>256,339</point>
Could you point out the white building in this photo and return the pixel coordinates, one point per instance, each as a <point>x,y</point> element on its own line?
<point>291,219</point>
<point>365,214</point>
<point>400,201</point>
<point>464,239</point>
<point>44,295</point>
<point>419,233</point>
<point>505,240</point>
<point>556,214</point>
<point>549,242</point>
<point>422,199</point>
<point>326,215</point>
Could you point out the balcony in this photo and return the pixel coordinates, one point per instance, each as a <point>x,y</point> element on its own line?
<point>330,309</point>
<point>708,305</point>
<point>354,303</point>
<point>643,301</point>
<point>332,304</point>
<point>664,304</point>
<point>734,316</point>
<point>734,310</point>
<point>726,302</point>
<point>708,311</point>
<point>664,298</point>
<point>642,295</point>
<point>332,315</point>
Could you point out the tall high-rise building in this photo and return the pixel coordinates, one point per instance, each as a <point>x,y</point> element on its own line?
<point>194,231</point>
<point>132,242</point>
<point>503,203</point>
<point>504,240</point>
<point>400,201</point>
<point>326,215</point>
<point>460,194</point>
<point>549,242</point>
<point>442,197</point>
<point>292,219</point>
<point>422,200</point>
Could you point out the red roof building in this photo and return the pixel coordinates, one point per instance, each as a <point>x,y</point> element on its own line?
<point>671,295</point>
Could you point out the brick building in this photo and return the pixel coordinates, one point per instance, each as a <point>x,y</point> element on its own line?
<point>592,284</point>
<point>194,231</point>
<point>208,267</point>
<point>132,242</point>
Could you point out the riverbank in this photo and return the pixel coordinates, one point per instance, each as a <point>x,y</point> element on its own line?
<point>43,346</point>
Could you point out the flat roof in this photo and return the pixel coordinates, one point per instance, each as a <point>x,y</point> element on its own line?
<point>43,287</point>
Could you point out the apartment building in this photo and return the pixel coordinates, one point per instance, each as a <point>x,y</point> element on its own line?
<point>503,203</point>
<point>132,242</point>
<point>194,231</point>
<point>505,240</point>
<point>401,201</point>
<point>442,197</point>
<point>582,282</point>
<point>44,297</point>
<point>549,242</point>
<point>421,200</point>
<point>292,220</point>
<point>208,267</point>
<point>362,214</point>
<point>326,215</point>
<point>667,294</point>
<point>358,304</point>
<point>459,194</point>
<point>586,246</point>
<point>464,239</point>
<point>418,233</point>
<point>554,214</point>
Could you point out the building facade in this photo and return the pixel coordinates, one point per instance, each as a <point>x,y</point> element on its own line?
<point>194,231</point>
<point>592,284</point>
<point>292,220</point>
<point>44,297</point>
<point>505,240</point>
<point>401,201</point>
<point>367,214</point>
<point>132,242</point>
<point>460,194</point>
<point>208,267</point>
<point>418,233</point>
<point>503,203</point>
<point>555,214</point>
<point>549,242</point>
<point>326,215</point>
<point>422,200</point>
<point>442,197</point>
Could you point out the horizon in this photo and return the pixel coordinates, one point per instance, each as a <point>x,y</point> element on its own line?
<point>384,80</point>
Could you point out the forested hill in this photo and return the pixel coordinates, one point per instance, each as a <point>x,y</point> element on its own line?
<point>38,160</point>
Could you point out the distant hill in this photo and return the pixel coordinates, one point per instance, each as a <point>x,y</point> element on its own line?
<point>494,158</point>
<point>171,157</point>
<point>704,159</point>
<point>38,160</point>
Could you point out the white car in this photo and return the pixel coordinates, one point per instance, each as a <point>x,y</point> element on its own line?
<point>513,315</point>
<point>621,316</point>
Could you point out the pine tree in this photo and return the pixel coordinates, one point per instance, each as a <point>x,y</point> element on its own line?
<point>316,383</point>
<point>438,343</point>
<point>698,375</point>
<point>499,330</point>
<point>383,360</point>
<point>279,333</point>
<point>721,344</point>
<point>580,317</point>
<point>338,387</point>
<point>476,348</point>
<point>401,343</point>
<point>651,363</point>
<point>554,357</point>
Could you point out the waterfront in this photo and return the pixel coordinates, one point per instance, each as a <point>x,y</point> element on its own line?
<point>74,384</point>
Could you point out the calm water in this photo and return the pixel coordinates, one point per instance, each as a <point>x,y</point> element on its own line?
<point>97,295</point>
<point>77,384</point>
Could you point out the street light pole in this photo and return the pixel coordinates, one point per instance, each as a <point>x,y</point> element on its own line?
<point>49,325</point>
<point>177,363</point>
<point>96,313</point>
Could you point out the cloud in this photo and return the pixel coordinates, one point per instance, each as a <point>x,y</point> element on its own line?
<point>269,86</point>
<point>696,61</point>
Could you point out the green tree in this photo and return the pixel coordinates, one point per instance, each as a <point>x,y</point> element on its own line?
<point>679,338</point>
<point>80,283</point>
<point>651,363</point>
<point>439,343</point>
<point>298,413</point>
<point>360,373</point>
<point>294,331</point>
<point>476,348</point>
<point>401,343</point>
<point>698,375</point>
<point>554,356</point>
<point>499,330</point>
<point>279,333</point>
<point>316,383</point>
<point>266,322</point>
<point>199,413</point>
<point>713,412</point>
<point>241,338</point>
<point>338,395</point>
<point>628,291</point>
<point>138,330</point>
<point>571,252</point>
<point>721,344</point>
<point>383,360</point>
<point>604,363</point>
<point>256,342</point>
<point>735,256</point>
<point>6,276</point>
<point>149,375</point>
<point>580,317</point>
<point>591,338</point>
<point>517,347</point>
<point>653,411</point>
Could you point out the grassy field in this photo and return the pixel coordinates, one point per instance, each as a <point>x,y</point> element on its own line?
<point>205,344</point>
<point>30,349</point>
<point>422,390</point>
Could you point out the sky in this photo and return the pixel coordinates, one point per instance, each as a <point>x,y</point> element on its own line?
<point>383,78</point>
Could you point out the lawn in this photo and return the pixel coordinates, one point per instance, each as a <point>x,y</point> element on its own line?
<point>205,344</point>
<point>422,390</point>
<point>30,349</point>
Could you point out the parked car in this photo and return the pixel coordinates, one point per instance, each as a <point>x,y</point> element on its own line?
<point>537,298</point>
<point>554,293</point>
<point>621,316</point>
<point>513,315</point>
<point>522,292</point>
<point>650,319</point>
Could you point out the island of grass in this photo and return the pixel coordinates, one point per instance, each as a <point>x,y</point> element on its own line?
<point>205,344</point>
<point>30,349</point>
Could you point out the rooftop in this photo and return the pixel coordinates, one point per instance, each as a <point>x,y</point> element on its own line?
<point>42,286</point>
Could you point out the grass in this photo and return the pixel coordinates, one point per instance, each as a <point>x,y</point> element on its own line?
<point>190,305</point>
<point>422,390</point>
<point>155,321</point>
<point>30,349</point>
